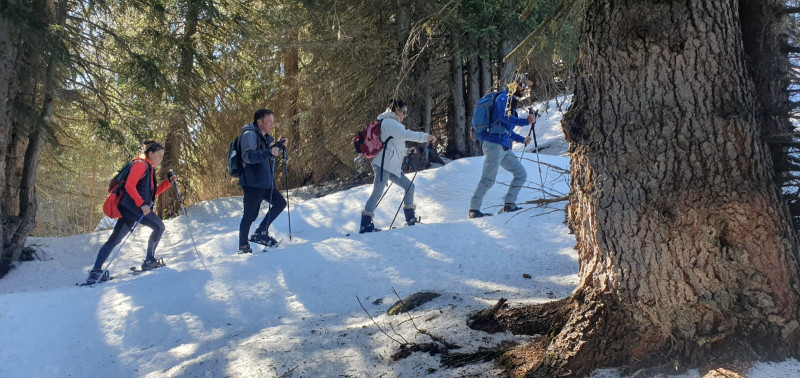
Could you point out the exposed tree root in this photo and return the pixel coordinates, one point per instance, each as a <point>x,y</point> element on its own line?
<point>485,321</point>
<point>481,355</point>
<point>407,349</point>
<point>542,319</point>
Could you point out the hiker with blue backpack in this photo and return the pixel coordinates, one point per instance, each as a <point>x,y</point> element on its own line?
<point>387,164</point>
<point>494,121</point>
<point>258,151</point>
<point>131,199</point>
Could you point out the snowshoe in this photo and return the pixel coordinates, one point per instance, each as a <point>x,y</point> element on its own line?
<point>510,208</point>
<point>477,214</point>
<point>148,265</point>
<point>243,249</point>
<point>273,245</point>
<point>263,238</point>
<point>96,276</point>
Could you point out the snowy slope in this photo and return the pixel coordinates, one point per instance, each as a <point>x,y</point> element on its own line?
<point>296,309</point>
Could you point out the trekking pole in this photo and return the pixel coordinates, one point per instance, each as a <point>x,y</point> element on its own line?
<point>108,264</point>
<point>389,187</point>
<point>536,149</point>
<point>384,193</point>
<point>186,216</point>
<point>288,210</point>
<point>406,194</point>
<point>536,113</point>
<point>269,208</point>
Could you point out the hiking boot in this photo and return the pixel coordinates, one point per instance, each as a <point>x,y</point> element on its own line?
<point>475,214</point>
<point>97,275</point>
<point>366,224</point>
<point>245,249</point>
<point>151,264</point>
<point>510,207</point>
<point>263,238</point>
<point>411,219</point>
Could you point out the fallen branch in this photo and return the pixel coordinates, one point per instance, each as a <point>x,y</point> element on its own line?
<point>546,201</point>
<point>288,373</point>
<point>374,322</point>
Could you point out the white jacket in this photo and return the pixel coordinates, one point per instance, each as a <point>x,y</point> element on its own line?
<point>396,148</point>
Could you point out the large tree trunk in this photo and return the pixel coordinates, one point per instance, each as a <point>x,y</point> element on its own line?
<point>8,85</point>
<point>473,95</point>
<point>486,68</point>
<point>506,69</point>
<point>683,239</point>
<point>178,131</point>
<point>19,217</point>
<point>459,120</point>
<point>291,65</point>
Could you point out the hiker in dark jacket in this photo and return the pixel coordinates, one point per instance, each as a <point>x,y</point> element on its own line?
<point>497,150</point>
<point>137,203</point>
<point>257,181</point>
<point>395,150</point>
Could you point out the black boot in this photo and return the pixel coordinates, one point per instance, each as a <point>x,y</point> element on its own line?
<point>262,237</point>
<point>510,207</point>
<point>476,214</point>
<point>366,224</point>
<point>151,263</point>
<point>97,275</point>
<point>411,219</point>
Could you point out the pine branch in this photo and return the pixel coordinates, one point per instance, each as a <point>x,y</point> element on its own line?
<point>527,10</point>
<point>561,11</point>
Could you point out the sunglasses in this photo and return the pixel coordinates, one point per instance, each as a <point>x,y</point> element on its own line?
<point>405,113</point>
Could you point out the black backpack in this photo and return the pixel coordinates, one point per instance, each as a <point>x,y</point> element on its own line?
<point>235,162</point>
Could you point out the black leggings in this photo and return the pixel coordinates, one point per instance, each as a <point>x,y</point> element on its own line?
<point>123,227</point>
<point>252,204</point>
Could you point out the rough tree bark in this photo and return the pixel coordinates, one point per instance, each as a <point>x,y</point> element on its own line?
<point>459,122</point>
<point>8,36</point>
<point>506,69</point>
<point>178,130</point>
<point>291,128</point>
<point>18,224</point>
<point>683,239</point>
<point>486,67</point>
<point>473,95</point>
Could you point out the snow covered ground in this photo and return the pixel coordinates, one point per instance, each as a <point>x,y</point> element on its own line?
<point>295,311</point>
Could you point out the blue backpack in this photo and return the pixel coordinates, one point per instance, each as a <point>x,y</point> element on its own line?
<point>482,118</point>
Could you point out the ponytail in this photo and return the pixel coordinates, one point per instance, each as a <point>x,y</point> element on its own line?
<point>395,104</point>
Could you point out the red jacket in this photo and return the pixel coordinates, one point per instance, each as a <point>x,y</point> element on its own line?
<point>140,186</point>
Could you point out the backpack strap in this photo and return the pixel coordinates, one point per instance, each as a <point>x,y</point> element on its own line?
<point>122,175</point>
<point>383,157</point>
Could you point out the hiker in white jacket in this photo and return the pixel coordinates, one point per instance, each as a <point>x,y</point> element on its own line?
<point>395,149</point>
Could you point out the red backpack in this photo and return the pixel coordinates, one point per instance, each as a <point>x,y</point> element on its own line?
<point>115,189</point>
<point>368,142</point>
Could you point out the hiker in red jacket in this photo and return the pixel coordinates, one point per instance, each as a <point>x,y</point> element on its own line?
<point>137,202</point>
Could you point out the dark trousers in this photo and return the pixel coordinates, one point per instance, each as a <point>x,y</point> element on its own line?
<point>252,204</point>
<point>123,227</point>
